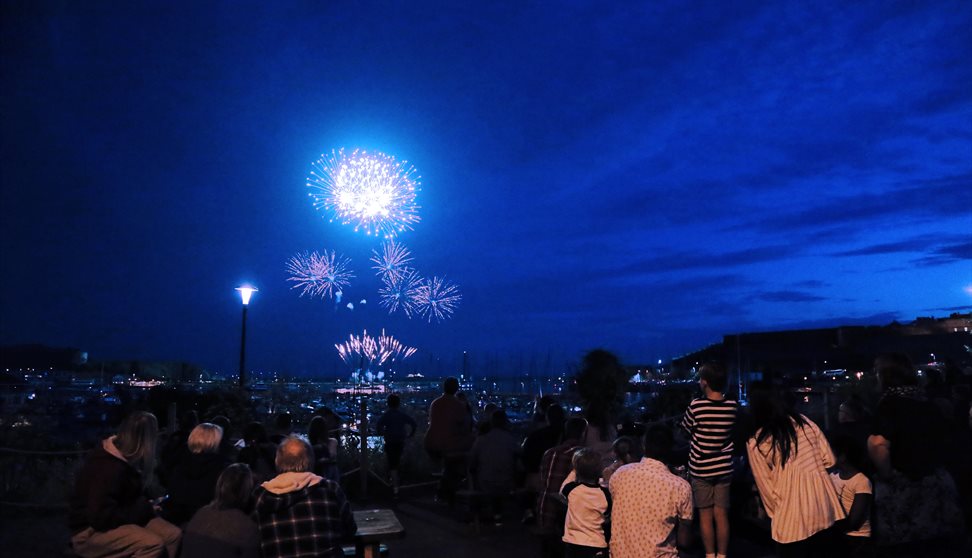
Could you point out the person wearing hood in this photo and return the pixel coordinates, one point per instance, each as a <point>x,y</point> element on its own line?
<point>192,482</point>
<point>109,514</point>
<point>300,513</point>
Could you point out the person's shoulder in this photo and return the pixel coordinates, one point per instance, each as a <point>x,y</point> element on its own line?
<point>861,483</point>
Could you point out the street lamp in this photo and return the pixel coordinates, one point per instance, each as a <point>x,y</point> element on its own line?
<point>245,293</point>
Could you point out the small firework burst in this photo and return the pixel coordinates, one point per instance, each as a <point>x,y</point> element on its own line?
<point>392,261</point>
<point>324,275</point>
<point>437,298</point>
<point>401,292</point>
<point>373,191</point>
<point>364,351</point>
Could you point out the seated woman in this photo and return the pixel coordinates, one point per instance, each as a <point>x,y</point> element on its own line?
<point>224,529</point>
<point>193,480</point>
<point>109,515</point>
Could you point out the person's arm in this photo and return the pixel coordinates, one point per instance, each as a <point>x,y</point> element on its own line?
<point>348,525</point>
<point>860,511</point>
<point>763,476</point>
<point>684,512</point>
<point>688,420</point>
<point>879,448</point>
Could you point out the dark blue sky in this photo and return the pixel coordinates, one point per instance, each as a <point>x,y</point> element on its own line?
<point>643,177</point>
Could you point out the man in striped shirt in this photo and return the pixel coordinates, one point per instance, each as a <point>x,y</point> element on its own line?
<point>709,420</point>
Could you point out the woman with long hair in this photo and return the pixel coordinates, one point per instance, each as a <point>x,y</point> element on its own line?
<point>224,528</point>
<point>109,513</point>
<point>789,456</point>
<point>325,449</point>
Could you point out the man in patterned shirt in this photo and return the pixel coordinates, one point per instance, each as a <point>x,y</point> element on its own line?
<point>652,508</point>
<point>298,512</point>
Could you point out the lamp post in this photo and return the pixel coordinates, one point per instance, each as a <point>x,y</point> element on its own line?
<point>245,293</point>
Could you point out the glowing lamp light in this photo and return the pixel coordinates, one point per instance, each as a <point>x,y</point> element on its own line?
<point>246,293</point>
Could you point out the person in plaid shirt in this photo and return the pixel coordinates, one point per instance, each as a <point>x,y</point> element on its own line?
<point>554,468</point>
<point>298,512</point>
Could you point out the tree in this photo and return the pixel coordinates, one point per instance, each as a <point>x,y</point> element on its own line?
<point>601,384</point>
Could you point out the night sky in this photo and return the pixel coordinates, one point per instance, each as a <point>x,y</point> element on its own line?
<point>642,177</point>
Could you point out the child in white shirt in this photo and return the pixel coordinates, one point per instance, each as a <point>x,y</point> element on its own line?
<point>855,494</point>
<point>587,527</point>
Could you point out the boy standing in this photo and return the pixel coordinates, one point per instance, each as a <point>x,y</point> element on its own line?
<point>586,529</point>
<point>709,420</point>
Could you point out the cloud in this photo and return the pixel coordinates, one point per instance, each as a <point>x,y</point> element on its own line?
<point>789,296</point>
<point>947,254</point>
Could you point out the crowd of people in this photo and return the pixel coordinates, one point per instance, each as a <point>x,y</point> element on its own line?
<point>885,483</point>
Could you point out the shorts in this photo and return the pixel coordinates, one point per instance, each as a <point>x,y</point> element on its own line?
<point>711,491</point>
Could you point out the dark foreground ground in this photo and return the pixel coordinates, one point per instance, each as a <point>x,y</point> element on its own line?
<point>432,530</point>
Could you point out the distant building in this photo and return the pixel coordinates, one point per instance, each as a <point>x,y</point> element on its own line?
<point>41,357</point>
<point>785,354</point>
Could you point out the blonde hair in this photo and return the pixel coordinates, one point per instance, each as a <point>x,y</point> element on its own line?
<point>205,438</point>
<point>136,440</point>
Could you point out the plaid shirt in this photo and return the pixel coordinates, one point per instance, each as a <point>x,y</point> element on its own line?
<point>304,523</point>
<point>554,468</point>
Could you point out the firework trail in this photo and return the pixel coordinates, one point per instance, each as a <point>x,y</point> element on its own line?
<point>323,275</point>
<point>401,292</point>
<point>368,351</point>
<point>392,261</point>
<point>437,298</point>
<point>373,191</point>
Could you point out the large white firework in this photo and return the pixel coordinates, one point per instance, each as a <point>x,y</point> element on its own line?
<point>392,261</point>
<point>364,351</point>
<point>401,292</point>
<point>374,191</point>
<point>320,274</point>
<point>436,298</point>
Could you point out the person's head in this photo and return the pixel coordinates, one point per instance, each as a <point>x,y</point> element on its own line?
<point>450,386</point>
<point>489,409</point>
<point>282,422</point>
<point>294,455</point>
<point>556,416</point>
<point>224,423</point>
<point>712,375</point>
<point>254,433</point>
<point>233,488</point>
<point>895,370</point>
<point>658,442</point>
<point>774,420</point>
<point>499,420</point>
<point>575,428</point>
<point>587,465</point>
<point>850,453</point>
<point>625,449</point>
<point>205,438</point>
<point>850,410</point>
<point>136,439</point>
<point>544,402</point>
<point>394,401</point>
<point>317,431</point>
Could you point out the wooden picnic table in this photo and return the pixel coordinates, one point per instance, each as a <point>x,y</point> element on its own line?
<point>375,526</point>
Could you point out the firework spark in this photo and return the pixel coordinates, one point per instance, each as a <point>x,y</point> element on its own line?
<point>322,275</point>
<point>392,261</point>
<point>365,351</point>
<point>401,292</point>
<point>437,298</point>
<point>372,190</point>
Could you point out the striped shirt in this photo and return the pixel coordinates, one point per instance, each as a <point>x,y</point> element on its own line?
<point>710,424</point>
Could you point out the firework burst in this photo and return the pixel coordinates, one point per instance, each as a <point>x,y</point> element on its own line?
<point>373,191</point>
<point>401,291</point>
<point>392,261</point>
<point>437,298</point>
<point>323,275</point>
<point>365,351</point>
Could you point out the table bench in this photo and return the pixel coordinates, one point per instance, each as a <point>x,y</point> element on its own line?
<point>375,526</point>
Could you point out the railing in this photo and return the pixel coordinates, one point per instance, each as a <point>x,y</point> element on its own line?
<point>37,479</point>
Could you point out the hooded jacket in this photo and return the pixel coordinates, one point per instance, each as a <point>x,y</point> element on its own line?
<point>107,492</point>
<point>302,514</point>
